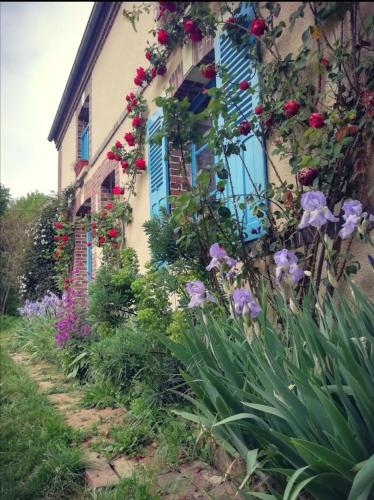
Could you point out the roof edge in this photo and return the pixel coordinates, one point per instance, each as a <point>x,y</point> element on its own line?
<point>97,29</point>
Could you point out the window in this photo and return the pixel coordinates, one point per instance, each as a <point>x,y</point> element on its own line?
<point>201,156</point>
<point>84,131</point>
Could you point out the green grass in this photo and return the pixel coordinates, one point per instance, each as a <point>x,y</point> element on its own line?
<point>37,450</point>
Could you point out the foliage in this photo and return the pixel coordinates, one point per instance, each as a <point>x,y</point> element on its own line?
<point>296,393</point>
<point>39,459</point>
<point>35,334</point>
<point>111,297</point>
<point>13,244</point>
<point>4,198</point>
<point>152,303</point>
<point>39,274</point>
<point>119,359</point>
<point>135,487</point>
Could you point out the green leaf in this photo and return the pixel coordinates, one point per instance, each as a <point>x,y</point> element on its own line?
<point>363,481</point>
<point>291,482</point>
<point>265,408</point>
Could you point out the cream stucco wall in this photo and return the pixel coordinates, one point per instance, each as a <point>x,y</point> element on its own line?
<point>291,42</point>
<point>68,153</point>
<point>112,78</point>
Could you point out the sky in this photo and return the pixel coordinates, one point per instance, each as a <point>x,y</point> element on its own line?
<point>39,42</point>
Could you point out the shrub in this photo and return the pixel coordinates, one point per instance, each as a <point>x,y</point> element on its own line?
<point>151,291</point>
<point>111,298</point>
<point>300,392</point>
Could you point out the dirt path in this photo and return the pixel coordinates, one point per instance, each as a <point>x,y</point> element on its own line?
<point>195,480</point>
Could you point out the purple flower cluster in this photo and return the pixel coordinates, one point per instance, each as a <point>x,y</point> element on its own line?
<point>198,293</point>
<point>352,216</point>
<point>316,213</point>
<point>220,259</point>
<point>287,267</point>
<point>72,321</point>
<point>48,306</point>
<point>245,304</point>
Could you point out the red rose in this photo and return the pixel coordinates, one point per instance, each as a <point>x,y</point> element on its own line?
<point>209,71</point>
<point>196,36</point>
<point>307,176</point>
<point>230,23</point>
<point>112,233</point>
<point>189,26</point>
<point>118,190</point>
<point>134,102</point>
<point>163,37</point>
<point>101,240</point>
<point>137,121</point>
<point>109,206</point>
<point>245,127</point>
<point>259,109</point>
<point>55,238</point>
<point>325,62</point>
<point>153,72</point>
<point>291,108</point>
<point>64,237</point>
<point>316,120</point>
<point>129,108</point>
<point>148,55</point>
<point>129,138</point>
<point>138,81</point>
<point>161,70</point>
<point>128,99</point>
<point>93,225</point>
<point>258,27</point>
<point>110,155</point>
<point>141,73</point>
<point>124,165</point>
<point>117,145</point>
<point>244,85</point>
<point>140,164</point>
<point>268,122</point>
<point>59,225</point>
<point>117,157</point>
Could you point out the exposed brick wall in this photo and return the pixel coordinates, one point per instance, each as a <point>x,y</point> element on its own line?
<point>99,195</point>
<point>80,258</point>
<point>177,177</point>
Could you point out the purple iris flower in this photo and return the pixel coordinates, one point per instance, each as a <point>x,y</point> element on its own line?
<point>244,303</point>
<point>219,258</point>
<point>198,293</point>
<point>316,213</point>
<point>287,267</point>
<point>352,216</point>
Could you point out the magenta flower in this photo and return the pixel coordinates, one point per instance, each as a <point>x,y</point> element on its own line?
<point>287,267</point>
<point>316,213</point>
<point>198,293</point>
<point>352,216</point>
<point>219,258</point>
<point>244,303</point>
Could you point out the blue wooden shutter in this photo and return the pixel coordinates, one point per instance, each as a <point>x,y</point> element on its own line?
<point>157,166</point>
<point>239,68</point>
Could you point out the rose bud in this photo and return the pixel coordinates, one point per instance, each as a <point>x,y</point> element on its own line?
<point>258,27</point>
<point>291,108</point>
<point>307,176</point>
<point>245,127</point>
<point>316,120</point>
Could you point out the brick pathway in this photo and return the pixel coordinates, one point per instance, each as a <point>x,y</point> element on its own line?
<point>195,480</point>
